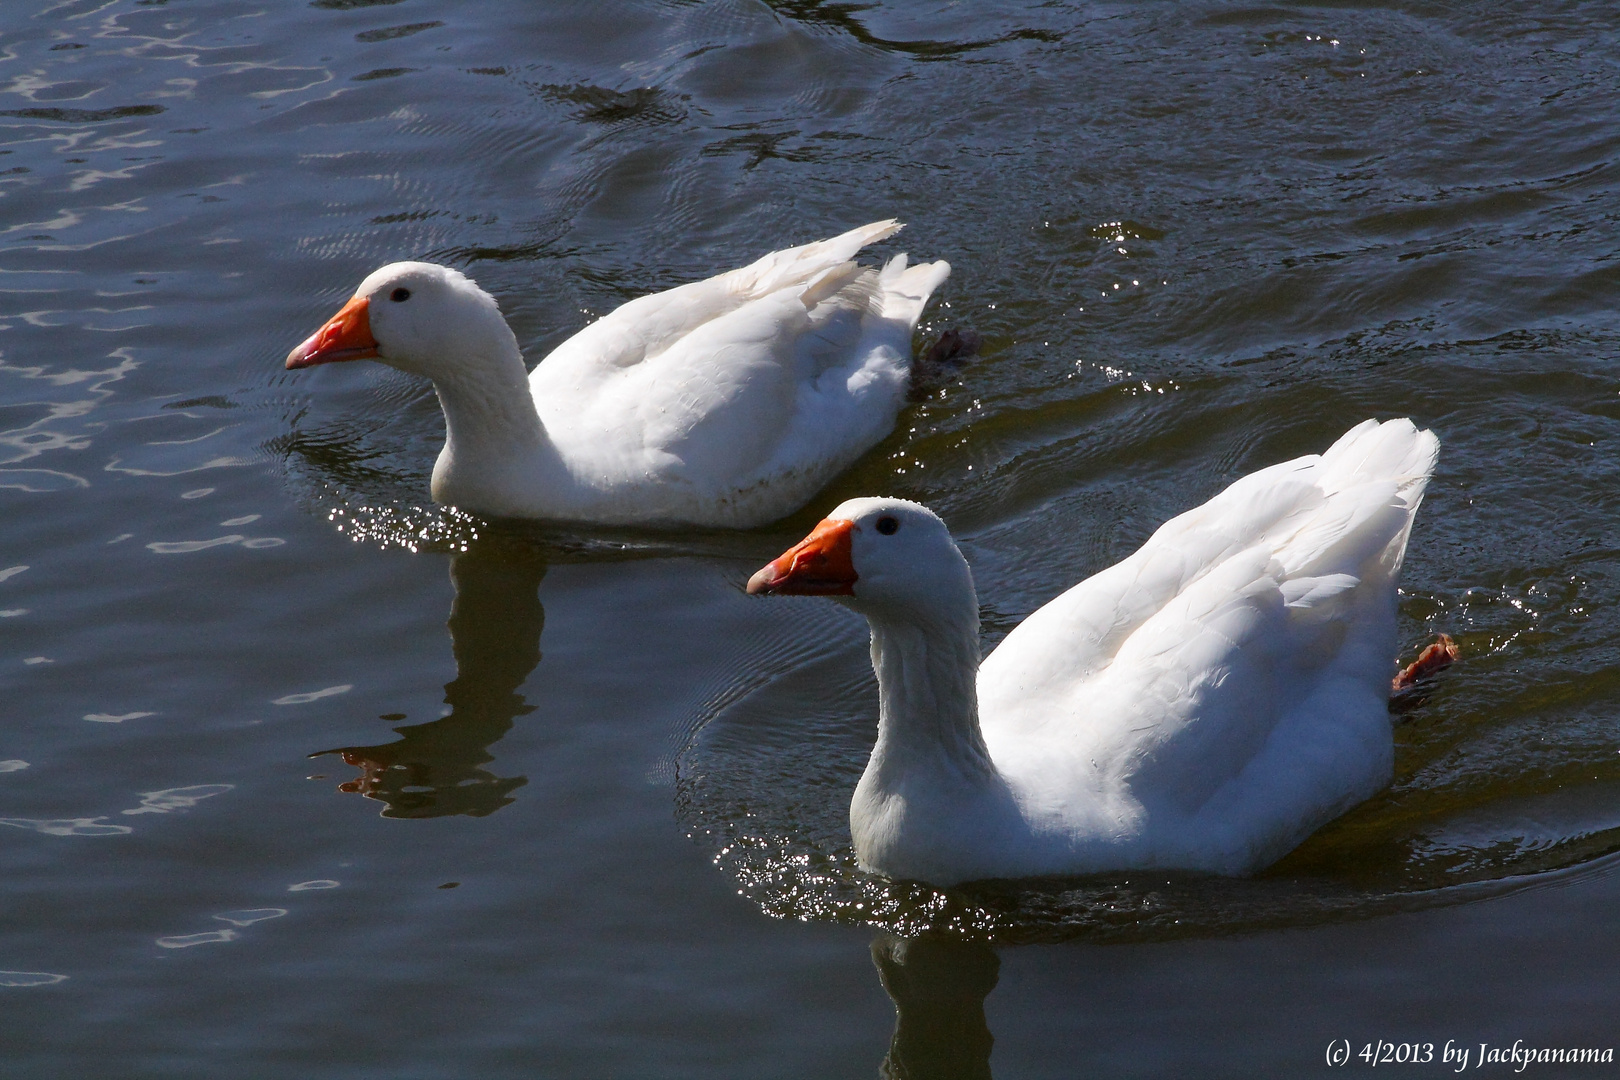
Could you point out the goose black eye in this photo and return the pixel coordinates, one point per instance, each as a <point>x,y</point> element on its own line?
<point>887,525</point>
<point>399,296</point>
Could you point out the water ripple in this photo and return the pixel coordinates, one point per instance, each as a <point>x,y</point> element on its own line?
<point>30,978</point>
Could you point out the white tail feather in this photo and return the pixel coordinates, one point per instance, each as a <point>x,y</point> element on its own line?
<point>906,291</point>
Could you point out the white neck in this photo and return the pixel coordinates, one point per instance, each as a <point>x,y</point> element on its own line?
<point>930,790</point>
<point>928,707</point>
<point>496,451</point>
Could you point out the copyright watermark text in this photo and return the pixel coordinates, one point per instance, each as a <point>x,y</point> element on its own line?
<point>1459,1057</point>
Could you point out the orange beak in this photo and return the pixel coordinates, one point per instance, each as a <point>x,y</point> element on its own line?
<point>818,565</point>
<point>346,336</point>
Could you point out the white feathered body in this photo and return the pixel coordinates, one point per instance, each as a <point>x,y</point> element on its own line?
<point>724,402</point>
<point>1205,704</point>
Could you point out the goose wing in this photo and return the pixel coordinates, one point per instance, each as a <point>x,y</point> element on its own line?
<point>784,369</point>
<point>1264,617</point>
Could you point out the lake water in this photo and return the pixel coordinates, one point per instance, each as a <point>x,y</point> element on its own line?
<point>265,817</point>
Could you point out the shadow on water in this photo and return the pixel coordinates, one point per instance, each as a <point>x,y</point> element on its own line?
<point>436,769</point>
<point>938,986</point>
<point>840,17</point>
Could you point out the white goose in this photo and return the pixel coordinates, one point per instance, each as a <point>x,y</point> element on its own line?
<point>724,402</point>
<point>1204,704</point>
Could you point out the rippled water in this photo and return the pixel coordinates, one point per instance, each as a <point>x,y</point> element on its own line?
<point>266,818</point>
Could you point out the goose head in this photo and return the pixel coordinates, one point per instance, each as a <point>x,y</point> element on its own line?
<point>418,317</point>
<point>885,558</point>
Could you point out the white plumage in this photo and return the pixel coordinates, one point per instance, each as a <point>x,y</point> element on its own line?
<point>728,401</point>
<point>1205,704</point>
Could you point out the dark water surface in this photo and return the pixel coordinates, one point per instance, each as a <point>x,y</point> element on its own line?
<point>600,829</point>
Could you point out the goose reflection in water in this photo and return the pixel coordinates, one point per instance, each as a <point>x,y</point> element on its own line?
<point>938,986</point>
<point>436,769</point>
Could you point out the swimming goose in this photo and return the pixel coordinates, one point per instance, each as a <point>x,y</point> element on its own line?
<point>1204,704</point>
<point>724,402</point>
